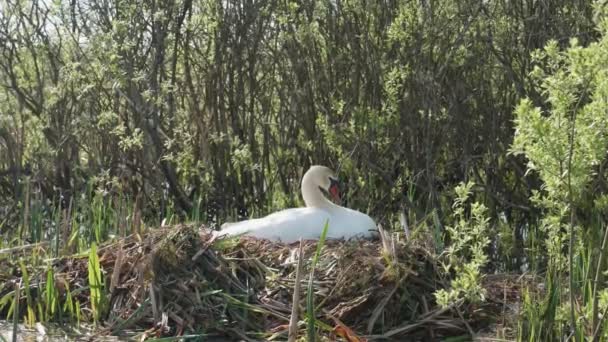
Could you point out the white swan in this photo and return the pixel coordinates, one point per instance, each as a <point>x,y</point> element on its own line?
<point>307,223</point>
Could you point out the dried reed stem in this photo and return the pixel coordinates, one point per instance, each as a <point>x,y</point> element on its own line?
<point>293,321</point>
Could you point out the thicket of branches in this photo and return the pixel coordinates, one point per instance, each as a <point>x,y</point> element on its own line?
<point>222,104</point>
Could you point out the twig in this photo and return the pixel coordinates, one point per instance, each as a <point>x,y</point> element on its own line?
<point>571,208</point>
<point>293,321</point>
<point>425,307</point>
<point>115,279</point>
<point>598,275</point>
<point>206,246</point>
<point>388,244</point>
<point>407,327</point>
<point>155,305</point>
<point>457,309</point>
<point>599,324</point>
<point>19,248</point>
<point>16,312</point>
<point>380,308</point>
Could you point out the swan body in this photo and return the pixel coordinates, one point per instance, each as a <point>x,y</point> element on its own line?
<point>290,225</point>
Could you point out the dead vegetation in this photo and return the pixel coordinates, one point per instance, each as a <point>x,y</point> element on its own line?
<point>179,280</point>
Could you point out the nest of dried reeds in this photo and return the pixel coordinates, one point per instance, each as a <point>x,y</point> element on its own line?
<point>182,280</point>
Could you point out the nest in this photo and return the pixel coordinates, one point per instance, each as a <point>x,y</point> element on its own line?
<point>182,280</point>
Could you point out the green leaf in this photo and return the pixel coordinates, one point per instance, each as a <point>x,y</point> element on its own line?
<point>95,283</point>
<point>310,303</point>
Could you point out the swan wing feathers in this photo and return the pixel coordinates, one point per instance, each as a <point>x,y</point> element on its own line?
<point>352,223</point>
<point>286,225</point>
<point>307,223</point>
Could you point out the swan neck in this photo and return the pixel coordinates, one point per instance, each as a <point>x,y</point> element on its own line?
<point>313,197</point>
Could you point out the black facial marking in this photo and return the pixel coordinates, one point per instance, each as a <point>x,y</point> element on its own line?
<point>333,181</point>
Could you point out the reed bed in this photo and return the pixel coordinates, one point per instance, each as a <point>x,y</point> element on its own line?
<point>181,280</point>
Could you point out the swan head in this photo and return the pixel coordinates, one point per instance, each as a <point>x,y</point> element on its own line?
<point>324,178</point>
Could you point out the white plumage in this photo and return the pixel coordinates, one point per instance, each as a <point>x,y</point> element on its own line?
<point>290,225</point>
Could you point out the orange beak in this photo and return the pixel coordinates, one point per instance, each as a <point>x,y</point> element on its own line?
<point>334,191</point>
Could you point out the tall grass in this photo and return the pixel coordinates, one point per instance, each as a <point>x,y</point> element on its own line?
<point>50,296</point>
<point>93,217</point>
<point>71,307</point>
<point>95,283</point>
<point>310,299</point>
<point>60,228</point>
<point>30,308</point>
<point>546,306</point>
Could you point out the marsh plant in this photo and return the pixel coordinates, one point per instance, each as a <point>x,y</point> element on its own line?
<point>466,254</point>
<point>564,136</point>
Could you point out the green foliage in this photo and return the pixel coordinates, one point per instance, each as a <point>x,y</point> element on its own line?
<point>30,315</point>
<point>565,142</point>
<point>70,306</point>
<point>566,145</point>
<point>466,255</point>
<point>576,86</point>
<point>537,321</point>
<point>205,110</point>
<point>568,141</point>
<point>232,100</point>
<point>50,296</point>
<point>95,284</point>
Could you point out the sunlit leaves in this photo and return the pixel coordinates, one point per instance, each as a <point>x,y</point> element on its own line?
<point>576,90</point>
<point>567,139</point>
<point>469,236</point>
